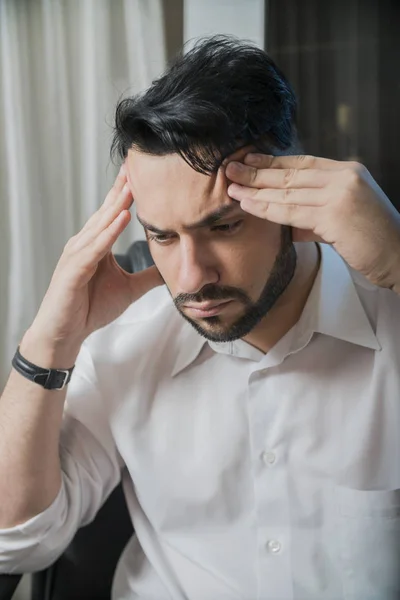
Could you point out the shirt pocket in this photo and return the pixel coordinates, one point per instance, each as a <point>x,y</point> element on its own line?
<point>368,528</point>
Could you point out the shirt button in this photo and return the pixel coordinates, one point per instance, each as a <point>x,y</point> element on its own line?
<point>274,546</point>
<point>268,458</point>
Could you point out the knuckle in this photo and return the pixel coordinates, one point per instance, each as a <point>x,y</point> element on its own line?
<point>356,170</point>
<point>265,210</point>
<point>287,193</point>
<point>306,159</point>
<point>356,166</point>
<point>254,175</point>
<point>353,176</point>
<point>288,176</point>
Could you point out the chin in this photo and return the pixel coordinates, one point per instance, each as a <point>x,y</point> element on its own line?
<point>214,330</point>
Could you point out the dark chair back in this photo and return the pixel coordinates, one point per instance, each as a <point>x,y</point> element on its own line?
<point>86,569</point>
<point>8,585</point>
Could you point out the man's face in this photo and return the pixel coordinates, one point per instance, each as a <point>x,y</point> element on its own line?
<point>224,268</point>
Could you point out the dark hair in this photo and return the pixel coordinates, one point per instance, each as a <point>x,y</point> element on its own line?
<point>223,94</point>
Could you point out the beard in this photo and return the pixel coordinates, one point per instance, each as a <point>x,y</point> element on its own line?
<point>279,278</point>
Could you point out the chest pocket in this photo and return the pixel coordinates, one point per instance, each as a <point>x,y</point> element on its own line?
<point>369,543</point>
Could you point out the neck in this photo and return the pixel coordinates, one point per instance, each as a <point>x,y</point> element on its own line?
<point>287,310</point>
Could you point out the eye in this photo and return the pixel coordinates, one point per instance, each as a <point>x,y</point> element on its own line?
<point>162,239</point>
<point>228,227</point>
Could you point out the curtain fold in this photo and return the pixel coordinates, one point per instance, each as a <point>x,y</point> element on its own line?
<point>63,66</point>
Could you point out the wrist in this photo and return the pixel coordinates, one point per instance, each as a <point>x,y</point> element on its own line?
<point>48,354</point>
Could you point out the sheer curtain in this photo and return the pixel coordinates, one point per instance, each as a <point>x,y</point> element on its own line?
<point>63,66</point>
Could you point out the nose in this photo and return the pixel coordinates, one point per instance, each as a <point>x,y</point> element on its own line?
<point>196,267</point>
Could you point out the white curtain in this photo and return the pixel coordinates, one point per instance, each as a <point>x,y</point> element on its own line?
<point>63,66</point>
<point>243,18</point>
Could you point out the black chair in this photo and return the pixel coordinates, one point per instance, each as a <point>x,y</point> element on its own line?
<point>86,569</point>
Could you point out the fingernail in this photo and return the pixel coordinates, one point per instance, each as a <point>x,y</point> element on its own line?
<point>122,170</point>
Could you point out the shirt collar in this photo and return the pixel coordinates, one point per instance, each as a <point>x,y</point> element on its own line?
<point>333,308</point>
<point>189,345</point>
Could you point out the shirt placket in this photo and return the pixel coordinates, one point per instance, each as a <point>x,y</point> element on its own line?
<point>274,571</point>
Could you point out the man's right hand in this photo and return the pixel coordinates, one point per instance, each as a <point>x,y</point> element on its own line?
<point>88,289</point>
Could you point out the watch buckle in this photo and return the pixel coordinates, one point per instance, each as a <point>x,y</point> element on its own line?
<point>64,383</point>
<point>50,375</point>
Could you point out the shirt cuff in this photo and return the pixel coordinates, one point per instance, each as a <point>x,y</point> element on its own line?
<point>37,524</point>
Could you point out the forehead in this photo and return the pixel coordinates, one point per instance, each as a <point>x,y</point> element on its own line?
<point>169,193</point>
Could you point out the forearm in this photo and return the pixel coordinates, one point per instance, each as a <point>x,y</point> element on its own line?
<point>30,423</point>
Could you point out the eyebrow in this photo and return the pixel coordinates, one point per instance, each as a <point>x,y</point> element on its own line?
<point>206,221</point>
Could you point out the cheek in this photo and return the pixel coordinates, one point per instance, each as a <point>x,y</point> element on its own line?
<point>251,266</point>
<point>167,265</point>
<point>242,262</point>
<point>256,253</point>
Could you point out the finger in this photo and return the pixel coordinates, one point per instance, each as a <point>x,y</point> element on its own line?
<point>300,217</point>
<point>96,250</point>
<point>277,178</point>
<point>120,178</point>
<point>117,187</point>
<point>110,199</point>
<point>300,161</point>
<point>122,201</point>
<point>90,231</point>
<point>239,154</point>
<point>112,196</point>
<point>303,197</point>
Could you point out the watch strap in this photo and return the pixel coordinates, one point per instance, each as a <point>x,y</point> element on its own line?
<point>50,379</point>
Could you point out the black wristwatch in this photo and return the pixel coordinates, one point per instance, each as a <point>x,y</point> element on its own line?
<point>50,379</point>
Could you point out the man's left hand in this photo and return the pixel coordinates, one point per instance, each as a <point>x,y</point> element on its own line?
<point>324,200</point>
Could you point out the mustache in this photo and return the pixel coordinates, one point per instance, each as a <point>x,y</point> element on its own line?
<point>213,292</point>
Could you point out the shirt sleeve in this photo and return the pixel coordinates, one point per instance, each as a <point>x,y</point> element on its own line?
<point>91,469</point>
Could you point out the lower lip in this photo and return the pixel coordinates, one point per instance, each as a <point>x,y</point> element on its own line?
<point>210,312</point>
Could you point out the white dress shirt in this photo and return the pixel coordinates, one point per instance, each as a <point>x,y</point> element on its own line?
<point>248,476</point>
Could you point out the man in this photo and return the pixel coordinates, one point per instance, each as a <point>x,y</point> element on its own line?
<point>258,437</point>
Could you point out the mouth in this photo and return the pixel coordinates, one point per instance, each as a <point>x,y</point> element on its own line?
<point>207,309</point>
